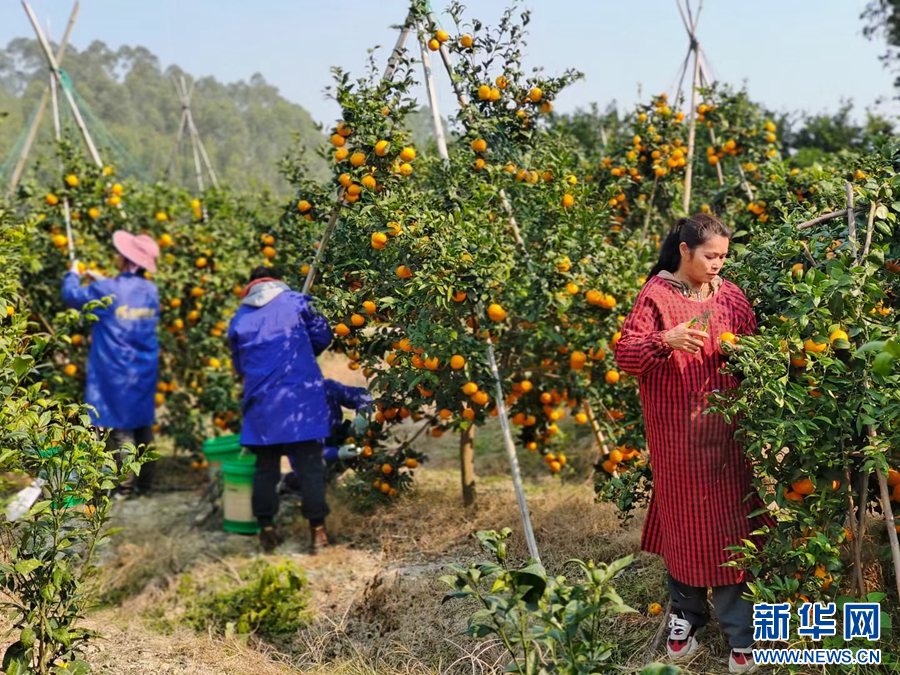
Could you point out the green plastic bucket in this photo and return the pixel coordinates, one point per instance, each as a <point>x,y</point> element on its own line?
<point>67,502</point>
<point>238,494</point>
<point>220,449</point>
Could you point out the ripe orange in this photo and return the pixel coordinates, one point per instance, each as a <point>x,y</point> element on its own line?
<point>838,335</point>
<point>654,609</point>
<point>479,145</point>
<point>379,240</point>
<point>797,270</point>
<point>804,486</point>
<point>369,306</point>
<point>445,414</point>
<point>369,182</point>
<point>405,169</point>
<point>161,216</point>
<point>792,496</point>
<point>338,141</point>
<point>469,388</point>
<point>442,36</point>
<point>269,252</point>
<point>117,189</point>
<point>577,360</point>
<point>357,159</point>
<point>468,414</point>
<point>385,488</point>
<point>197,292</point>
<point>60,240</point>
<point>581,418</point>
<point>815,347</point>
<point>457,362</point>
<point>434,45</point>
<point>459,296</point>
<point>609,466</point>
<point>893,477</point>
<point>381,148</point>
<point>411,462</point>
<point>52,199</point>
<point>72,180</point>
<point>432,363</point>
<point>480,397</point>
<point>165,240</point>
<point>408,154</point>
<point>404,272</point>
<point>70,369</point>
<point>535,95</point>
<point>466,41</point>
<point>342,330</point>
<point>200,262</point>
<point>730,338</point>
<point>612,377</point>
<point>496,312</point>
<point>357,320</point>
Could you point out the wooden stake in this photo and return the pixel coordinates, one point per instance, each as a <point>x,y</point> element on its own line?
<point>32,132</point>
<point>54,67</point>
<point>692,131</point>
<point>822,219</point>
<point>467,464</point>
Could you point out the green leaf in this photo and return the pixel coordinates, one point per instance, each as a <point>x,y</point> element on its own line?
<point>25,567</point>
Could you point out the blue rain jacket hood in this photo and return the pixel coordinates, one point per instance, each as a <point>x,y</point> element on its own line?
<point>124,359</point>
<point>275,337</point>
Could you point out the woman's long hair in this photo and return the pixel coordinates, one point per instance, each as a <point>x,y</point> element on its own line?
<point>693,231</point>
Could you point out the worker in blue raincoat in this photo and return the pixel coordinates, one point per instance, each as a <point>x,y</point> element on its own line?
<point>275,337</point>
<point>124,357</point>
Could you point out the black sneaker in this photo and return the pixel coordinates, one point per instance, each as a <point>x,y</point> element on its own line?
<point>270,539</point>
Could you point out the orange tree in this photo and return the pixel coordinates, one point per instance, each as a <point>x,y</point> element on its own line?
<point>816,417</point>
<point>203,264</point>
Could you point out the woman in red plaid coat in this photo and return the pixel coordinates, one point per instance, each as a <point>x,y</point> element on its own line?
<point>701,477</point>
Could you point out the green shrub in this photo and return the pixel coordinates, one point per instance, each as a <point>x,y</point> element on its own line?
<point>547,624</point>
<point>271,601</point>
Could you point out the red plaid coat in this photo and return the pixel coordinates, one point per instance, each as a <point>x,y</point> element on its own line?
<point>701,477</point>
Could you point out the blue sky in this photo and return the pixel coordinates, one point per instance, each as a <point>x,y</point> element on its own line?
<point>792,54</point>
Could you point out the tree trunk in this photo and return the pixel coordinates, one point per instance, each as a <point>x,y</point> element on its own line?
<point>467,465</point>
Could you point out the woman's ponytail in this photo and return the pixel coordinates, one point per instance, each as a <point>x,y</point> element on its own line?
<point>669,252</point>
<point>693,231</point>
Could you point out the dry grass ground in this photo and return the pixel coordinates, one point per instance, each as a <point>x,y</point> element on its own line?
<point>376,596</point>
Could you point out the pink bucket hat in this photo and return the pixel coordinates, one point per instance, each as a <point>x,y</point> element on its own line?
<point>139,249</point>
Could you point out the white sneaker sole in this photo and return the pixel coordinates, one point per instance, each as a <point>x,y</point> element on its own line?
<point>734,668</point>
<point>684,653</point>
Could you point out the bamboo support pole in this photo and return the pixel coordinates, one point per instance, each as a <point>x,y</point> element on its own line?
<point>822,219</point>
<point>511,452</point>
<point>439,137</point>
<point>45,97</point>
<point>54,68</point>
<point>859,535</point>
<point>57,128</point>
<point>692,130</point>
<point>323,243</point>
<point>464,104</point>
<point>203,153</point>
<point>338,205</point>
<point>193,134</point>
<point>172,159</point>
<point>869,227</point>
<point>889,520</point>
<point>851,220</point>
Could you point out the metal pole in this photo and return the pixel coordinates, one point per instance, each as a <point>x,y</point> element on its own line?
<point>32,132</point>
<point>54,67</point>
<point>432,98</point>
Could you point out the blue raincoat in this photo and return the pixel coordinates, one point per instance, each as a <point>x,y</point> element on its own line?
<point>275,337</point>
<point>124,359</point>
<point>340,396</point>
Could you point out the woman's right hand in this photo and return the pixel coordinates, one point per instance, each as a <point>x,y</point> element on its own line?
<point>684,339</point>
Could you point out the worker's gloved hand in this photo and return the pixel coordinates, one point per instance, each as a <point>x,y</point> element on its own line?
<point>95,275</point>
<point>365,403</point>
<point>348,452</point>
<point>360,426</point>
<point>74,268</point>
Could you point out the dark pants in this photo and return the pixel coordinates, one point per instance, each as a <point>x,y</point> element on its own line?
<point>142,439</point>
<point>735,614</point>
<point>310,472</point>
